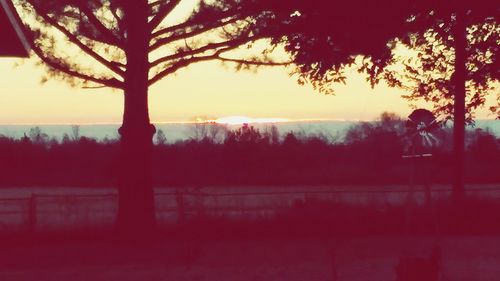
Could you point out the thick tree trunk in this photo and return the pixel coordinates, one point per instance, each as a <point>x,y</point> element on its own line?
<point>136,208</point>
<point>459,106</point>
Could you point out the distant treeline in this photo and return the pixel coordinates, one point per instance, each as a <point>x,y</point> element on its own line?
<point>369,153</point>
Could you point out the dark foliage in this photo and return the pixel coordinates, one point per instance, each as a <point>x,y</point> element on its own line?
<point>325,37</point>
<point>370,153</point>
<point>82,162</point>
<point>327,220</point>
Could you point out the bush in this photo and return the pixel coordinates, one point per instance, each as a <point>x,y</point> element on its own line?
<point>370,154</point>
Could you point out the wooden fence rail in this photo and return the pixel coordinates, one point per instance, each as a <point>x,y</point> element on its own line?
<point>54,211</point>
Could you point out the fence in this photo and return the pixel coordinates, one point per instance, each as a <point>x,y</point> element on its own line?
<point>47,212</point>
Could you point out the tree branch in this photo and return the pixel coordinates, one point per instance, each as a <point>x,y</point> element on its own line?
<point>236,14</point>
<point>443,34</point>
<point>230,44</point>
<point>254,62</point>
<point>156,3</point>
<point>165,40</point>
<point>119,64</point>
<point>74,39</point>
<point>162,13</point>
<point>108,34</point>
<point>115,15</point>
<point>173,28</point>
<point>233,15</point>
<point>216,56</point>
<point>113,83</point>
<point>178,65</point>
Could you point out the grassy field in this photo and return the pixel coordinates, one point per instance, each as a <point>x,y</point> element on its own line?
<point>372,259</point>
<point>301,244</point>
<point>70,208</point>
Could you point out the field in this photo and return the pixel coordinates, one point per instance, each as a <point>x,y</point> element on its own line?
<point>371,259</point>
<point>69,208</point>
<point>301,246</point>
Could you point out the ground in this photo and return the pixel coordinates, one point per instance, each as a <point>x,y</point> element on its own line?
<point>364,258</point>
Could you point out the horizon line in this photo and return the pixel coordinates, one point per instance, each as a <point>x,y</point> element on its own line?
<point>253,121</point>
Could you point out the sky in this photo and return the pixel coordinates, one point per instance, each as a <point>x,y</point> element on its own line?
<point>208,90</point>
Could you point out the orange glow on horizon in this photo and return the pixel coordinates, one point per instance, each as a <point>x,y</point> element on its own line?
<point>239,120</point>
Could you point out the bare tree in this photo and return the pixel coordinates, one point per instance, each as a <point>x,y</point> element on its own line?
<point>207,131</point>
<point>272,133</point>
<point>75,130</point>
<point>217,132</point>
<point>198,131</point>
<point>160,138</point>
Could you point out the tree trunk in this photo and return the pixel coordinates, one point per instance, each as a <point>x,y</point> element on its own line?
<point>459,105</point>
<point>136,208</point>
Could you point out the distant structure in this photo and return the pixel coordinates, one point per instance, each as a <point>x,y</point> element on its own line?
<point>420,126</point>
<point>13,39</point>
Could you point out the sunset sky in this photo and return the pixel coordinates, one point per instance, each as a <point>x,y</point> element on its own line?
<point>204,90</point>
<point>209,90</point>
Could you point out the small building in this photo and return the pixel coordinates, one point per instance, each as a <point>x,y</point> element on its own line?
<point>13,39</point>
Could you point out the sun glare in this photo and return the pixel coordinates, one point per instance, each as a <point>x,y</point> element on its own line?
<point>238,120</point>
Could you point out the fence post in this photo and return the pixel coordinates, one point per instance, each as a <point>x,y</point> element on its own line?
<point>32,210</point>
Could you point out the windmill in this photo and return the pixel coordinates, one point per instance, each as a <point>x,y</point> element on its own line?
<point>420,128</point>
